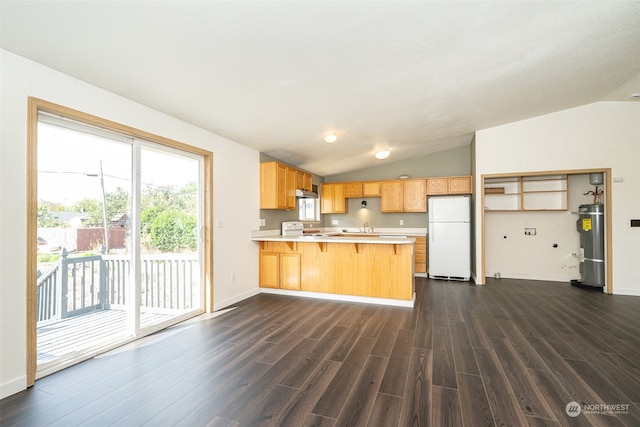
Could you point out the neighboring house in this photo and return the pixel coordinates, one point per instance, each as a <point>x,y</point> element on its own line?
<point>119,220</point>
<point>72,218</point>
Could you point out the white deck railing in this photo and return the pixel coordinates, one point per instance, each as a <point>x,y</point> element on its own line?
<point>75,286</point>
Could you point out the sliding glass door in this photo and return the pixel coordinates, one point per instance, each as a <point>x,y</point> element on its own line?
<point>119,243</point>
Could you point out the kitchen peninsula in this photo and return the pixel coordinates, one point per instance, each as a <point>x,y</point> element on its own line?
<point>344,267</point>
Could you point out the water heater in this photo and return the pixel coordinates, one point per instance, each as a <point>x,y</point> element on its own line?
<point>590,225</point>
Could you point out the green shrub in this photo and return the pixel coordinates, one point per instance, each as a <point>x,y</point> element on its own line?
<point>172,231</point>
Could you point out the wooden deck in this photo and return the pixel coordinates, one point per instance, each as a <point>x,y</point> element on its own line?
<point>75,334</point>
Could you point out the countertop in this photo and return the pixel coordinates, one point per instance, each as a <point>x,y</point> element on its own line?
<point>370,238</point>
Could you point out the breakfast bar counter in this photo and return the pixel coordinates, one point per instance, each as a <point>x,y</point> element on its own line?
<point>351,268</point>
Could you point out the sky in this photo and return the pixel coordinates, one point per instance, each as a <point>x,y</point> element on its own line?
<point>69,165</point>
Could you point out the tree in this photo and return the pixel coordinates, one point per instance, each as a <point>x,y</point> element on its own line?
<point>170,197</point>
<point>93,209</point>
<point>45,218</point>
<point>117,202</point>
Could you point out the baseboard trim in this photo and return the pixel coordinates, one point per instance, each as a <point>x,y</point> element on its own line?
<point>235,299</point>
<point>345,298</point>
<point>13,386</point>
<point>627,292</point>
<point>531,277</point>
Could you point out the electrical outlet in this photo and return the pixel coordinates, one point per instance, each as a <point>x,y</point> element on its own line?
<point>334,222</point>
<point>402,222</point>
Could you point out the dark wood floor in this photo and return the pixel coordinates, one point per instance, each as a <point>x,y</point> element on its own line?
<point>512,353</point>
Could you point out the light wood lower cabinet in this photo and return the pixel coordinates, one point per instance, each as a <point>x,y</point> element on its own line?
<point>269,269</point>
<point>290,271</point>
<point>359,269</point>
<point>279,269</point>
<point>420,256</point>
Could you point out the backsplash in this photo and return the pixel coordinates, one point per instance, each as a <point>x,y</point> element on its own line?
<point>357,216</point>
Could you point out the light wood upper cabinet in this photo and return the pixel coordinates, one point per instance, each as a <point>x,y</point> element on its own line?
<point>404,195</point>
<point>326,198</point>
<point>332,198</point>
<point>392,193</point>
<point>308,182</point>
<point>371,189</point>
<point>353,189</point>
<point>273,186</point>
<point>437,186</point>
<point>339,201</point>
<point>278,183</point>
<point>291,188</point>
<point>449,185</point>
<point>459,184</point>
<point>303,180</point>
<point>415,195</point>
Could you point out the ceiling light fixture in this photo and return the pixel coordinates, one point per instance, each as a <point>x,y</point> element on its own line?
<point>635,96</point>
<point>330,138</point>
<point>382,154</point>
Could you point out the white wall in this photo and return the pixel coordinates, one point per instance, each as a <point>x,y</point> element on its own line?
<point>531,257</point>
<point>599,135</point>
<point>236,194</point>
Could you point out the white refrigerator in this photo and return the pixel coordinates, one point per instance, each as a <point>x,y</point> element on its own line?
<point>449,237</point>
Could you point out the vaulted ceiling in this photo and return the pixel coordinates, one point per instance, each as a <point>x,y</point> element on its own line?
<point>413,77</point>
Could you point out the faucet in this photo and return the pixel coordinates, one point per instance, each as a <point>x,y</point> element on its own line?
<point>366,227</point>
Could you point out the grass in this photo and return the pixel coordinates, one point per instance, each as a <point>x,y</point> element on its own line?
<point>48,258</point>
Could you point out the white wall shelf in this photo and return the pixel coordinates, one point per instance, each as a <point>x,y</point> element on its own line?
<point>526,193</point>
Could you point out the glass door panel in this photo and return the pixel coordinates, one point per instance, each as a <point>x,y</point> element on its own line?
<point>170,242</point>
<point>84,247</point>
